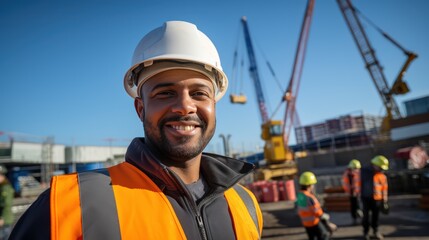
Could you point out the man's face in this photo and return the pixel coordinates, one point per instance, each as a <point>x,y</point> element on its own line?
<point>178,113</point>
<point>377,168</point>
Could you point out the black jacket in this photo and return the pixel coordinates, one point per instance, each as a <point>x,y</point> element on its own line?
<point>367,182</point>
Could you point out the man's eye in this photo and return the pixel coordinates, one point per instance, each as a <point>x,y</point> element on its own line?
<point>201,94</point>
<point>167,93</point>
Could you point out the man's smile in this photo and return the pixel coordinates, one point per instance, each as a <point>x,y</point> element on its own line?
<point>183,127</point>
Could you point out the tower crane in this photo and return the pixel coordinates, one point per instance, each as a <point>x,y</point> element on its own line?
<point>275,133</point>
<point>254,73</point>
<point>373,65</point>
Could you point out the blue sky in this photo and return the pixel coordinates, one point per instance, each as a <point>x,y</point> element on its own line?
<point>62,62</point>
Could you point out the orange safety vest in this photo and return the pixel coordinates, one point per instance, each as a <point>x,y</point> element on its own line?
<point>380,186</point>
<point>354,188</point>
<point>309,209</point>
<point>143,211</point>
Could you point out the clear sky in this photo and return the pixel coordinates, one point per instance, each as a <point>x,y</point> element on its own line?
<point>62,62</point>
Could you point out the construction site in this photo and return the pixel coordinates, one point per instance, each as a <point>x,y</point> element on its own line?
<point>324,148</point>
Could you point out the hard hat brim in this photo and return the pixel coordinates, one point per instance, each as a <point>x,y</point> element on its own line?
<point>216,75</point>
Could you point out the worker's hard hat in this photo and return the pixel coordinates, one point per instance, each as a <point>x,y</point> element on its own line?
<point>307,178</point>
<point>3,169</point>
<point>354,164</point>
<point>381,161</point>
<point>175,45</point>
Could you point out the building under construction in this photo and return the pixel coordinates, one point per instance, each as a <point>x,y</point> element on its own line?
<point>345,131</point>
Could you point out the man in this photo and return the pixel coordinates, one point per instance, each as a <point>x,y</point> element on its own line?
<point>166,188</point>
<point>374,189</point>
<point>6,198</point>
<point>315,221</point>
<point>351,186</point>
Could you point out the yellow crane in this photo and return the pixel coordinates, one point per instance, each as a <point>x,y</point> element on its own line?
<point>372,63</point>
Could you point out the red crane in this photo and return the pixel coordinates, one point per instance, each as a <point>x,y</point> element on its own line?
<point>292,90</point>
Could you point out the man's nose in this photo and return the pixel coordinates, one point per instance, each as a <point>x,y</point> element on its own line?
<point>184,105</point>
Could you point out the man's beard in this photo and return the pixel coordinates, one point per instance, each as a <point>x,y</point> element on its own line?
<point>179,150</point>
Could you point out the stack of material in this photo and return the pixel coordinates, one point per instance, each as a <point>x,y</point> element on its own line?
<point>270,191</point>
<point>424,200</point>
<point>265,191</point>
<point>336,200</point>
<point>273,191</point>
<point>286,190</point>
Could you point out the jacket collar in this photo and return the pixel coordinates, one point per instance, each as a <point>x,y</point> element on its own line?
<point>220,172</point>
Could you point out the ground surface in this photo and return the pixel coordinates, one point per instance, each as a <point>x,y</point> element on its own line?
<point>405,221</point>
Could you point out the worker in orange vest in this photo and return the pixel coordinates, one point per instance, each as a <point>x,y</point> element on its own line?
<point>374,190</point>
<point>315,221</point>
<point>351,186</point>
<point>167,187</point>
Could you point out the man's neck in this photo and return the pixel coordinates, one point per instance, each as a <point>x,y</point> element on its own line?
<point>189,171</point>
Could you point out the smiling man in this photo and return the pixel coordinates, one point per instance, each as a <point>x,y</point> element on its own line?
<point>167,188</point>
<point>177,108</point>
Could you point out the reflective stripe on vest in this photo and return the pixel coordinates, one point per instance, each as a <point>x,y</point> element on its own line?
<point>137,204</point>
<point>98,187</point>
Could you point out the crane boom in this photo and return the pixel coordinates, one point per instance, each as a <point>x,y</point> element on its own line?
<point>371,61</point>
<point>292,90</point>
<point>253,69</point>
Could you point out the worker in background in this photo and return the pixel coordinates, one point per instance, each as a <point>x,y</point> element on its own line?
<point>315,221</point>
<point>351,186</point>
<point>6,198</point>
<point>374,189</point>
<point>167,188</point>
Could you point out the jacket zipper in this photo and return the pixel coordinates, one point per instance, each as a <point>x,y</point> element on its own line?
<point>190,201</point>
<point>201,226</point>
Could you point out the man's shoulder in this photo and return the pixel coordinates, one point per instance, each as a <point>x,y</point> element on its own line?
<point>34,223</point>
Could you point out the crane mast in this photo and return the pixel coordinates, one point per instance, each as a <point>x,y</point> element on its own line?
<point>291,92</point>
<point>371,61</point>
<point>253,69</point>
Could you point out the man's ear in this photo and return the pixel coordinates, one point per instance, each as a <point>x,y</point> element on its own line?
<point>139,106</point>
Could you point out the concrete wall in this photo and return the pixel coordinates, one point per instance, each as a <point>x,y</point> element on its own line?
<point>24,152</point>
<point>87,154</point>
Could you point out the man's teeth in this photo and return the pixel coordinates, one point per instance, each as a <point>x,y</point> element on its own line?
<point>184,128</point>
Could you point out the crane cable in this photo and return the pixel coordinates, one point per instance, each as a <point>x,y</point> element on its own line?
<point>387,36</point>
<point>270,68</point>
<point>237,81</point>
<point>399,86</point>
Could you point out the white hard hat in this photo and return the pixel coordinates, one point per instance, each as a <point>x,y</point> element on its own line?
<point>175,45</point>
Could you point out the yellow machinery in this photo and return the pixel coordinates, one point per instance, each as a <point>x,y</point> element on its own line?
<point>279,159</point>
